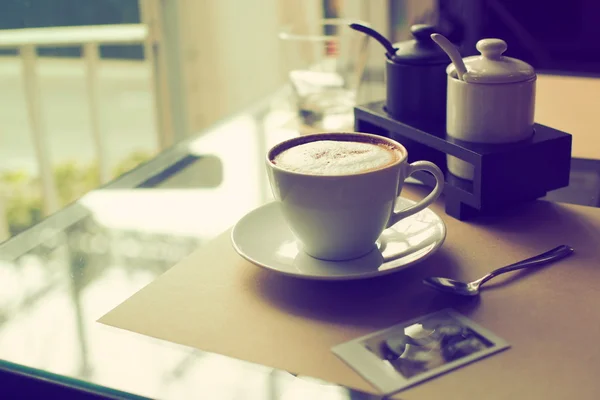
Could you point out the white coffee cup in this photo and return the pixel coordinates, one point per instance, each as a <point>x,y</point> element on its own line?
<point>340,217</point>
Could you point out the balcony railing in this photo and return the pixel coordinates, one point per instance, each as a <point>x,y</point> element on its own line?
<point>89,38</point>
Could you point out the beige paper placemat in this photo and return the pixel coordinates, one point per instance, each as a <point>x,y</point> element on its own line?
<point>218,302</point>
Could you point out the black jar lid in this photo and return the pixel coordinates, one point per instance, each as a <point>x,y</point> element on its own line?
<point>421,50</point>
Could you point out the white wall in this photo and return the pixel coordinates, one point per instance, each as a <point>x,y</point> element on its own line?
<point>223,54</point>
<point>229,55</point>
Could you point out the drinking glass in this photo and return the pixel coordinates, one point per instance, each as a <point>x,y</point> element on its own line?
<point>325,61</point>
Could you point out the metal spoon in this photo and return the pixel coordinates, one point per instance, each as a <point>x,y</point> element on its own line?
<point>472,288</point>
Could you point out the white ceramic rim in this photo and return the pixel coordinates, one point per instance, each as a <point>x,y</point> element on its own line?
<point>324,135</point>
<point>451,72</point>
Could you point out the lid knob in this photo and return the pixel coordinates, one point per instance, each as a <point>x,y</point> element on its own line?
<point>491,48</point>
<point>422,32</point>
<point>420,50</point>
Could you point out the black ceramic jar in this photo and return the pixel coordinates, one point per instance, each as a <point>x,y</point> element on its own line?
<point>416,78</point>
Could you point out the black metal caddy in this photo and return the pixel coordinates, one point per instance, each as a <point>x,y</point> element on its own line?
<point>505,175</point>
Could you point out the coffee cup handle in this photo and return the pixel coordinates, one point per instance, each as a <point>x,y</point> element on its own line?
<point>430,198</point>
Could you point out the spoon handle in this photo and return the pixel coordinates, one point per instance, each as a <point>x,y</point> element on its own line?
<point>389,47</point>
<point>552,255</point>
<point>452,52</point>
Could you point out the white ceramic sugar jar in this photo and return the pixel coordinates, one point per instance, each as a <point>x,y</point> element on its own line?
<point>494,103</point>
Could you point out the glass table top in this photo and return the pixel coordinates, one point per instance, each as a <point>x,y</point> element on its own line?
<point>59,277</point>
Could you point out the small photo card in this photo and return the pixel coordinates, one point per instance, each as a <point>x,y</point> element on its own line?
<point>411,352</point>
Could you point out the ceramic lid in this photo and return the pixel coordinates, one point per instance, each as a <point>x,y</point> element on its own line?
<point>421,50</point>
<point>492,67</point>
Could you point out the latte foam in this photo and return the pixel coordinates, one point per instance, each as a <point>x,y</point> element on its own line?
<point>332,157</point>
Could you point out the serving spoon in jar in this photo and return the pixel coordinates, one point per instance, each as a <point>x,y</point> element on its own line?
<point>472,288</point>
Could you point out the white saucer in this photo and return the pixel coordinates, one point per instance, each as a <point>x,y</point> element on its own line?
<point>263,238</point>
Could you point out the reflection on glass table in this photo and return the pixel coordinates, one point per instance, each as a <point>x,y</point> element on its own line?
<point>59,277</point>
